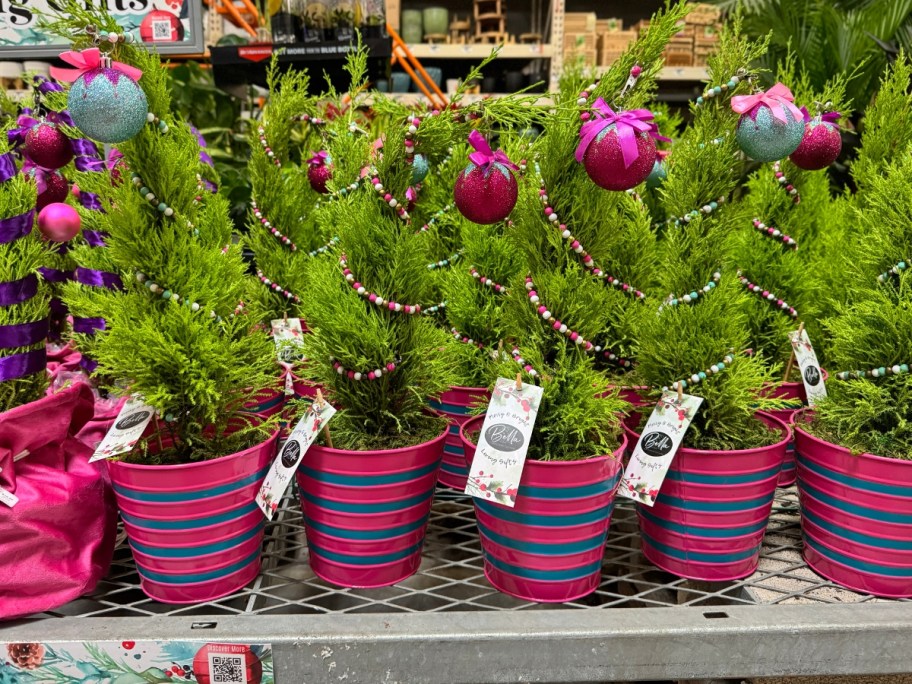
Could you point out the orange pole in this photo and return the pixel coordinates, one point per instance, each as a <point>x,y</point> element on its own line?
<point>417,80</point>
<point>251,8</point>
<point>236,17</point>
<point>400,44</point>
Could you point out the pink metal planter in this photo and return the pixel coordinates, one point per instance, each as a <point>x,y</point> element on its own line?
<point>796,395</point>
<point>366,512</point>
<point>268,401</point>
<point>856,515</point>
<point>456,404</point>
<point>710,516</point>
<point>194,528</point>
<point>548,548</point>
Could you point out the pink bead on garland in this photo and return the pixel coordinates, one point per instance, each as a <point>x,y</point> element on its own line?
<point>375,374</point>
<point>261,132</point>
<point>522,362</point>
<point>487,282</point>
<point>775,233</point>
<point>275,287</point>
<point>784,182</point>
<point>387,197</point>
<point>557,325</point>
<point>769,296</point>
<point>465,339</point>
<point>373,297</point>
<point>272,229</point>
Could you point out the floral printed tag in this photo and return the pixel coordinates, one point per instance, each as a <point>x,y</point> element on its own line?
<point>810,368</point>
<point>657,447</point>
<point>503,442</point>
<point>287,334</point>
<point>128,427</point>
<point>283,468</point>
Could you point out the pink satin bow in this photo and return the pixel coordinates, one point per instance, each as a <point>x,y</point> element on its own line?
<point>627,124</point>
<point>319,159</point>
<point>778,98</point>
<point>411,194</point>
<point>32,170</point>
<point>484,156</point>
<point>826,117</point>
<point>86,61</point>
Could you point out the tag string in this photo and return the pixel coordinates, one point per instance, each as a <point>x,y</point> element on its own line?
<point>791,361</point>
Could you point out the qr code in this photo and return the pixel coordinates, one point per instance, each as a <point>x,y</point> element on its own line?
<point>161,30</point>
<point>227,669</point>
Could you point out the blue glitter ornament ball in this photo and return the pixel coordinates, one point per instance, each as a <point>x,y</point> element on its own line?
<point>765,138</point>
<point>420,168</point>
<point>657,176</point>
<point>107,105</point>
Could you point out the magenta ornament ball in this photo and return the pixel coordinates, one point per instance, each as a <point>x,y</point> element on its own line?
<point>604,161</point>
<point>57,189</point>
<point>47,146</point>
<point>485,195</point>
<point>59,222</point>
<point>319,176</point>
<point>820,146</point>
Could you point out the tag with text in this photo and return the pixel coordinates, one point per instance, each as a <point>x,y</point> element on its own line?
<point>128,427</point>
<point>8,498</point>
<point>657,447</point>
<point>503,442</point>
<point>278,478</point>
<point>811,374</point>
<point>288,336</point>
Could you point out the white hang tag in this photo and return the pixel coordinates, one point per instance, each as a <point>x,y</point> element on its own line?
<point>503,442</point>
<point>811,374</point>
<point>657,446</point>
<point>8,498</point>
<point>303,435</point>
<point>128,427</point>
<point>288,336</point>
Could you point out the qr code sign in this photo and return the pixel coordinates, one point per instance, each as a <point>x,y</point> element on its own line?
<point>227,669</point>
<point>161,30</point>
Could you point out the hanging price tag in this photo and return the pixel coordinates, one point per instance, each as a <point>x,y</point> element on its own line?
<point>657,446</point>
<point>811,374</point>
<point>283,468</point>
<point>8,498</point>
<point>503,442</point>
<point>128,427</point>
<point>288,336</point>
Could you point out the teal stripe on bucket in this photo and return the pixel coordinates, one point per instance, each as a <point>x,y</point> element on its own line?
<point>192,578</point>
<point>378,559</point>
<point>555,548</point>
<point>707,532</point>
<point>856,482</point>
<point>598,515</point>
<point>384,507</point>
<point>454,429</point>
<point>857,537</point>
<point>581,492</point>
<point>545,575</point>
<point>191,496</point>
<point>701,557</point>
<point>271,404</point>
<point>453,469</point>
<point>194,551</point>
<point>855,509</point>
<point>365,535</point>
<point>454,450</point>
<point>788,466</point>
<point>366,480</point>
<point>450,408</point>
<point>716,506</point>
<point>741,478</point>
<point>854,563</point>
<point>192,523</point>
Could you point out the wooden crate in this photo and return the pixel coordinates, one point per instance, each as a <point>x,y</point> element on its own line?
<point>704,14</point>
<point>706,36</point>
<point>678,59</point>
<point>580,41</point>
<point>685,31</point>
<point>579,22</point>
<point>641,26</point>
<point>608,57</point>
<point>608,25</point>
<point>616,41</point>
<point>701,54</point>
<point>393,10</point>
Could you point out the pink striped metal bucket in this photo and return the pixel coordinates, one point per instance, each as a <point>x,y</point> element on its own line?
<point>194,528</point>
<point>267,401</point>
<point>856,515</point>
<point>711,513</point>
<point>549,547</point>
<point>795,394</point>
<point>366,512</point>
<point>456,404</point>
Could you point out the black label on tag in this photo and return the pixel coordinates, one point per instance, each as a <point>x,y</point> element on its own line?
<point>656,444</point>
<point>132,420</point>
<point>290,453</point>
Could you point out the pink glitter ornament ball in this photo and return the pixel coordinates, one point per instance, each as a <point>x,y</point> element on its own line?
<point>604,161</point>
<point>319,176</point>
<point>47,146</point>
<point>819,148</point>
<point>485,195</point>
<point>59,222</point>
<point>52,188</point>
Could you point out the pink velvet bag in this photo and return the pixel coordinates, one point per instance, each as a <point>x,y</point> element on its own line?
<point>57,542</point>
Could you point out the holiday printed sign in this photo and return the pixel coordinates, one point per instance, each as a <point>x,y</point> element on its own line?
<point>504,440</point>
<point>128,427</point>
<point>657,446</point>
<point>146,662</point>
<point>283,468</point>
<point>811,374</point>
<point>287,334</point>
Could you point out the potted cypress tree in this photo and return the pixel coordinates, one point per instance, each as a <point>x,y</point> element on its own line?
<point>174,334</point>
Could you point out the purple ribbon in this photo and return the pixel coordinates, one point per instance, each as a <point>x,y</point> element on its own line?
<point>826,117</point>
<point>483,156</point>
<point>7,167</point>
<point>25,123</point>
<point>45,85</point>
<point>18,291</point>
<point>88,365</point>
<point>20,365</point>
<point>95,238</point>
<point>91,277</point>
<point>55,275</point>
<point>88,326</point>
<point>90,200</point>
<point>627,125</point>
<point>210,186</point>
<point>23,334</point>
<point>15,227</point>
<point>206,159</point>
<point>36,172</point>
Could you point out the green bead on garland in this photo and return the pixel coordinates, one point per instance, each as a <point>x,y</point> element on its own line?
<point>882,372</point>
<point>697,378</point>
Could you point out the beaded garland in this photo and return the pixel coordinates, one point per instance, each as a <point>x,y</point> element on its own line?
<point>715,91</point>
<point>697,378</point>
<point>769,296</point>
<point>373,297</point>
<point>487,282</point>
<point>706,209</point>
<point>162,126</point>
<point>522,362</point>
<point>443,263</point>
<point>692,297</point>
<point>261,132</point>
<point>307,118</point>
<point>465,339</point>
<point>894,271</point>
<point>439,213</point>
<point>275,287</point>
<point>150,196</point>
<point>609,355</point>
<point>882,372</point>
<point>358,375</point>
<point>434,309</point>
<point>775,233</point>
<point>325,248</point>
<point>557,325</point>
<point>272,229</point>
<point>387,197</point>
<point>338,194</point>
<point>157,289</point>
<point>784,182</point>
